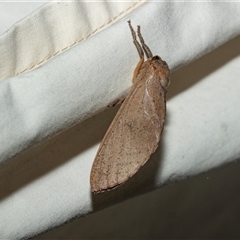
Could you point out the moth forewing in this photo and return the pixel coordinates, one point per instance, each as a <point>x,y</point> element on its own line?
<point>136,129</point>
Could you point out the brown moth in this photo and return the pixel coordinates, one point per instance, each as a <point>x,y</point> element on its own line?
<point>136,129</point>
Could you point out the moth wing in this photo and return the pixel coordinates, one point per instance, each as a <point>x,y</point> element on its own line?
<point>132,137</point>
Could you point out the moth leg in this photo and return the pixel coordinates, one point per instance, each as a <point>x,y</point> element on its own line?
<point>118,101</point>
<point>146,49</point>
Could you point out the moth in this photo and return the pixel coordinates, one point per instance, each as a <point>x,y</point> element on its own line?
<point>135,132</point>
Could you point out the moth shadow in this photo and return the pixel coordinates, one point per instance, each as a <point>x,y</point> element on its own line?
<point>50,154</point>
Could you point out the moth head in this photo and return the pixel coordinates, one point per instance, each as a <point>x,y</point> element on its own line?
<point>161,68</point>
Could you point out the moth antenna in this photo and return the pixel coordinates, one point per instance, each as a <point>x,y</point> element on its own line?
<point>144,46</point>
<point>136,43</point>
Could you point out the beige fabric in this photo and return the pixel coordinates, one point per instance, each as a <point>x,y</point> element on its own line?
<point>29,44</point>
